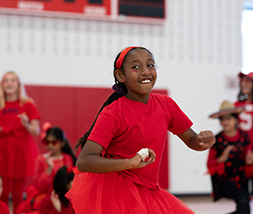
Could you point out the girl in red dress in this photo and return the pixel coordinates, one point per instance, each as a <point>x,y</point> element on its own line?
<point>19,121</point>
<point>121,153</point>
<point>59,154</point>
<point>56,202</point>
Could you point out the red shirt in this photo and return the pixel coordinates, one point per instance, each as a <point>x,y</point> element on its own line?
<point>126,126</point>
<point>44,181</point>
<point>246,118</point>
<point>11,123</point>
<point>47,207</point>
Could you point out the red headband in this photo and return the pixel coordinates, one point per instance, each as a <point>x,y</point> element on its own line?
<point>69,169</point>
<point>122,56</point>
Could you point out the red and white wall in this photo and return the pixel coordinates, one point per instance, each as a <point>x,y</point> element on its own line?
<point>197,51</point>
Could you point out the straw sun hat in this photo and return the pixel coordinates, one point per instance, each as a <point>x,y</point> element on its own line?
<point>227,108</point>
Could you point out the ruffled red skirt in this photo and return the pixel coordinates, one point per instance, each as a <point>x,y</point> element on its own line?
<point>114,193</point>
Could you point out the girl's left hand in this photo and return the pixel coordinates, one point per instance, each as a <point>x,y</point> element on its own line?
<point>55,201</point>
<point>24,119</point>
<point>205,139</point>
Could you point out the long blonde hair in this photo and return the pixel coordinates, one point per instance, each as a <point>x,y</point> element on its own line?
<point>22,96</point>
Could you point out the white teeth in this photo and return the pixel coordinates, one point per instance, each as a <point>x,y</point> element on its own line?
<point>146,81</point>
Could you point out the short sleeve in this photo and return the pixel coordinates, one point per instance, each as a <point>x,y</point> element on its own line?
<point>179,122</point>
<point>106,127</point>
<point>32,111</point>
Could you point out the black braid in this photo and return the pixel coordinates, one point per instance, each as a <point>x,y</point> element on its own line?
<point>82,140</point>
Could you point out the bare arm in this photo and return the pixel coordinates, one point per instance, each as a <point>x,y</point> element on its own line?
<point>32,127</point>
<point>199,142</point>
<point>90,160</point>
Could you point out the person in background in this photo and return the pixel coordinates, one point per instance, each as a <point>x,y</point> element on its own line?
<point>3,206</point>
<point>245,100</point>
<point>121,152</point>
<point>56,202</point>
<point>59,154</point>
<point>230,159</point>
<point>19,121</point>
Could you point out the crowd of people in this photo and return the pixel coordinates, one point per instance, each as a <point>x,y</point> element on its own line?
<point>19,156</point>
<point>230,160</point>
<point>117,168</point>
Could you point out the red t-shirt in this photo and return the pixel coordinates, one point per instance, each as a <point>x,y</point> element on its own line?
<point>246,118</point>
<point>11,123</point>
<point>126,126</point>
<point>44,181</point>
<point>47,207</point>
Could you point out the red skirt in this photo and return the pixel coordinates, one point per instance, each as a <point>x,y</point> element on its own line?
<point>17,156</point>
<point>114,193</point>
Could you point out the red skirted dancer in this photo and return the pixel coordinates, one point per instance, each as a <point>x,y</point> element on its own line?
<point>59,154</point>
<point>3,206</point>
<point>121,153</point>
<point>230,159</point>
<point>19,121</point>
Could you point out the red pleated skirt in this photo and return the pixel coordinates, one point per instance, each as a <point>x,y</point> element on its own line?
<point>114,193</point>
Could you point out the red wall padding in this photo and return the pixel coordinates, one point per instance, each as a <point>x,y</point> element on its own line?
<point>74,109</point>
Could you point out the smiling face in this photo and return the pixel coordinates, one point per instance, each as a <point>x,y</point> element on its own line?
<point>139,74</point>
<point>10,84</point>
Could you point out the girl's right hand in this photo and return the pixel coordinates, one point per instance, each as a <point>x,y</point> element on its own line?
<point>137,161</point>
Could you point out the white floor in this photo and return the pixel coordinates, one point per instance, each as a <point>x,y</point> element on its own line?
<point>205,205</point>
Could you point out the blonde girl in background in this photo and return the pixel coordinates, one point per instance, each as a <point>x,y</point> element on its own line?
<point>19,121</point>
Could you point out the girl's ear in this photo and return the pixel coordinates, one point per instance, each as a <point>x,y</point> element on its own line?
<point>119,76</point>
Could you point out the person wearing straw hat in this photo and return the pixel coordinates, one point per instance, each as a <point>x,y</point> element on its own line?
<point>229,158</point>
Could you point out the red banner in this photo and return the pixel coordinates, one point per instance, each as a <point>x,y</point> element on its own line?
<point>85,7</point>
